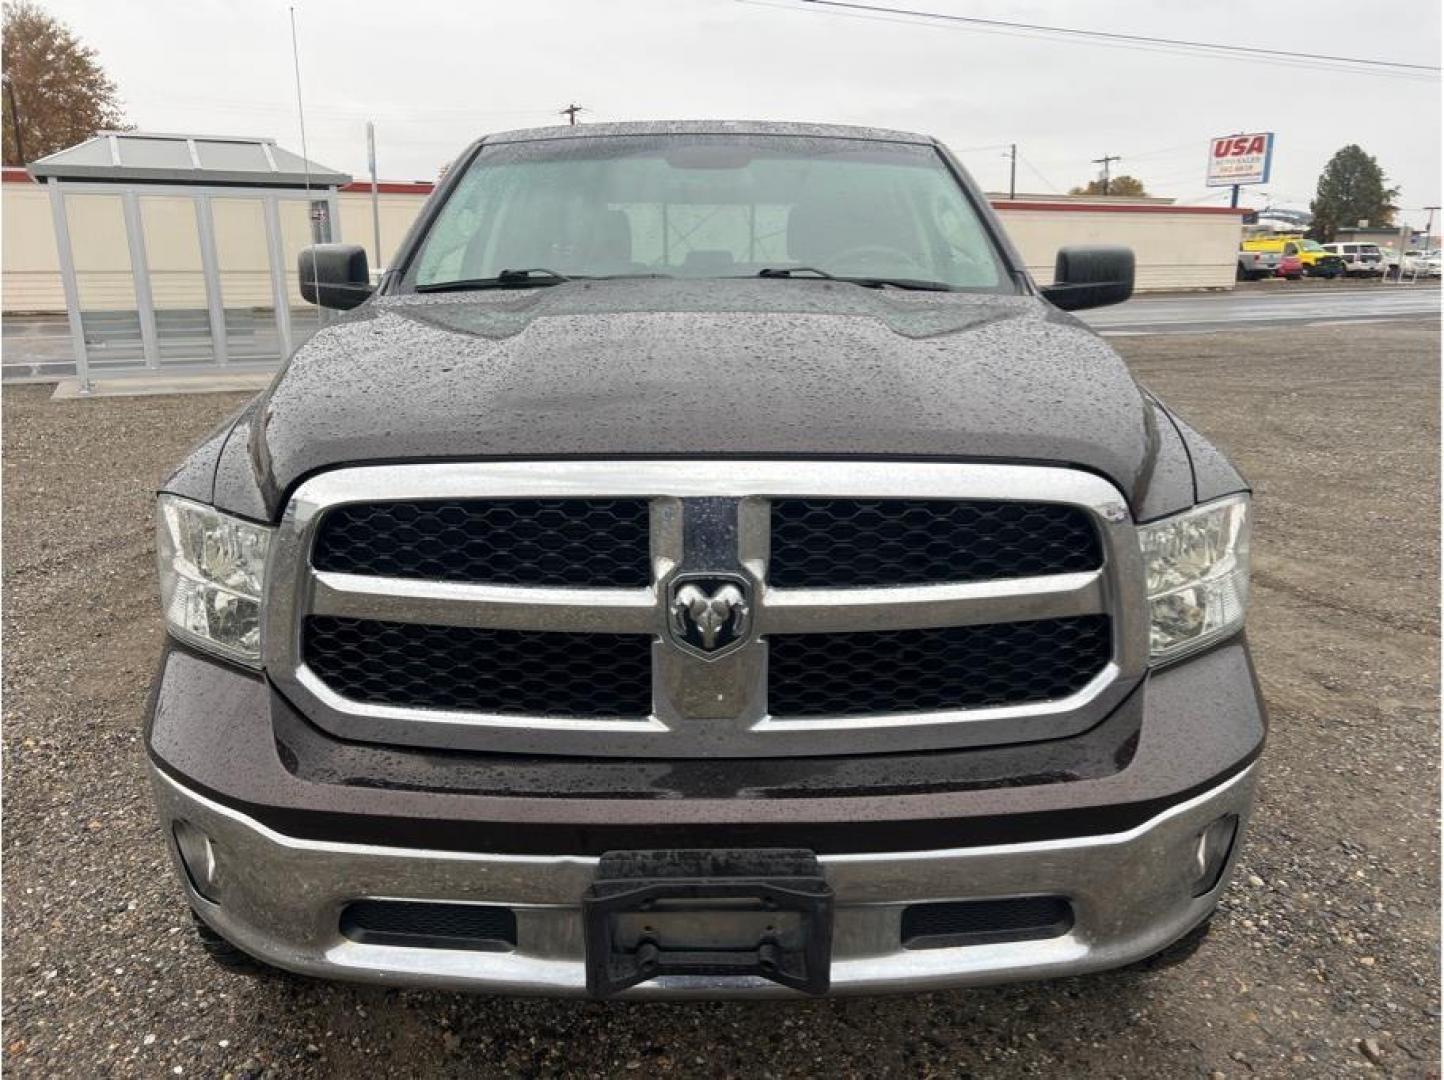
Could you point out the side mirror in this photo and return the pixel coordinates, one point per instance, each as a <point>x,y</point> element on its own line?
<point>334,275</point>
<point>1089,277</point>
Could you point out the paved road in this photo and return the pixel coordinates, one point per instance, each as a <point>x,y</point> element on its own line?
<point>1207,312</point>
<point>38,347</point>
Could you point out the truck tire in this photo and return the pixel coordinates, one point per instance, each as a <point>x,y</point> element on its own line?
<point>225,955</point>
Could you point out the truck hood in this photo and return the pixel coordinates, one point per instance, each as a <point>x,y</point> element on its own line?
<point>637,368</point>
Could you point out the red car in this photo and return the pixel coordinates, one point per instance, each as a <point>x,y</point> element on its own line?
<point>1291,267</point>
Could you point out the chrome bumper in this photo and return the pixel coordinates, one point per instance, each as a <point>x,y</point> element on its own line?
<point>281,898</point>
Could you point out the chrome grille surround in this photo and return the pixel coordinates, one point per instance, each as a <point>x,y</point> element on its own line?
<point>705,706</point>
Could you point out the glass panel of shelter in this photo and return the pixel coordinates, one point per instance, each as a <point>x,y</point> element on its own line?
<point>104,281</point>
<point>243,258</point>
<point>178,284</point>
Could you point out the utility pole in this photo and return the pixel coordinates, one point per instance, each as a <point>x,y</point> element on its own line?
<point>15,120</point>
<point>570,112</point>
<point>1428,228</point>
<point>1012,170</point>
<point>1106,160</point>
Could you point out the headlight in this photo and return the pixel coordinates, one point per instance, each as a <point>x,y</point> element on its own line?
<point>212,577</point>
<point>1197,568</point>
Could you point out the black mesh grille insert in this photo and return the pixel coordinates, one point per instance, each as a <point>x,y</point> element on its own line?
<point>420,924</point>
<point>503,671</point>
<point>955,667</point>
<point>602,542</point>
<point>976,922</point>
<point>835,543</point>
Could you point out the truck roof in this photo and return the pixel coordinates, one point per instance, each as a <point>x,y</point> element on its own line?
<point>709,127</point>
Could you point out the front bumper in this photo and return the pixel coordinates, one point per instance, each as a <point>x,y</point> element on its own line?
<point>280,898</point>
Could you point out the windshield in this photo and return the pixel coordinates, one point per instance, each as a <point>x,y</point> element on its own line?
<point>709,206</point>
<point>1311,245</point>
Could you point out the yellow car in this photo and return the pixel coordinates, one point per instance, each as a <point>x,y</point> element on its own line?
<point>1316,260</point>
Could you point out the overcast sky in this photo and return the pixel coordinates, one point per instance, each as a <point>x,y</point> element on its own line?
<point>434,75</point>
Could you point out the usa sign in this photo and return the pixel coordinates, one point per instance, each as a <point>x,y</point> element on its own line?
<point>1240,159</point>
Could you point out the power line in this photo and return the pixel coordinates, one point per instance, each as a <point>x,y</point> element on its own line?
<point>1105,36</point>
<point>1192,144</point>
<point>1034,170</point>
<point>979,149</point>
<point>1164,50</point>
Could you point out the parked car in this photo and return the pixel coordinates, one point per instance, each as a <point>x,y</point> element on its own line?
<point>1316,261</point>
<point>1360,260</point>
<point>706,564</point>
<point>1290,266</point>
<point>1422,263</point>
<point>1255,265</point>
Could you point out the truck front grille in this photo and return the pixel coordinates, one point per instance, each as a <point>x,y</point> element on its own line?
<point>496,541</point>
<point>464,669</point>
<point>833,543</point>
<point>558,607</point>
<point>950,667</point>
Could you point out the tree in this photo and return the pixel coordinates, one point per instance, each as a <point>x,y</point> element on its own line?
<point>56,93</point>
<point>1351,189</point>
<point>1118,185</point>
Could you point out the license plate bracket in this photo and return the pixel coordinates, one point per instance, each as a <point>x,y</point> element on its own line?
<point>722,913</point>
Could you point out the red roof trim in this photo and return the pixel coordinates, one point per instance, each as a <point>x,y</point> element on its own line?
<point>15,174</point>
<point>1115,208</point>
<point>391,187</point>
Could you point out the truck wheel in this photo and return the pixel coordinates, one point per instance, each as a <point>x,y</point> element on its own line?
<point>227,956</point>
<point>1180,951</point>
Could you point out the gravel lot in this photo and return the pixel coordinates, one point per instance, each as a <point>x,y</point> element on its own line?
<point>1323,961</point>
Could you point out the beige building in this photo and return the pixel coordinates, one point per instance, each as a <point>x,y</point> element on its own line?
<point>1177,247</point>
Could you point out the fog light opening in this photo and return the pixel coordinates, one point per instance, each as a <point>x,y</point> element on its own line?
<point>198,856</point>
<point>1211,851</point>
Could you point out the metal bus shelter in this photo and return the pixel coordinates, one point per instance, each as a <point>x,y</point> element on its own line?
<point>177,253</point>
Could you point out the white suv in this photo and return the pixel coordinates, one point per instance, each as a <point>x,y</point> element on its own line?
<point>1360,260</point>
<point>1422,263</point>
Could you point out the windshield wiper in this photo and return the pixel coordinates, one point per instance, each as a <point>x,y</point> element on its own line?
<point>865,282</point>
<point>788,271</point>
<point>900,283</point>
<point>507,279</point>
